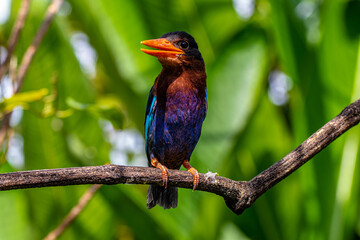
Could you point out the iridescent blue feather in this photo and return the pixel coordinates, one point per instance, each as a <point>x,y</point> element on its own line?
<point>150,111</point>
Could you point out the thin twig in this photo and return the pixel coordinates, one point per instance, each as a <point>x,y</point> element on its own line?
<point>18,26</point>
<point>4,128</point>
<point>10,134</point>
<point>75,211</point>
<point>238,195</point>
<point>12,72</point>
<point>30,52</point>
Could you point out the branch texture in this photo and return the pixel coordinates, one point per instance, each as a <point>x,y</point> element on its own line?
<point>238,195</point>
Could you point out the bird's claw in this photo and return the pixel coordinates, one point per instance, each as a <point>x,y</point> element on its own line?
<point>164,175</point>
<point>194,172</point>
<point>163,169</point>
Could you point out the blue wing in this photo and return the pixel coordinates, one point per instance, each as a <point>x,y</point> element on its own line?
<point>149,117</point>
<point>207,99</point>
<point>207,103</point>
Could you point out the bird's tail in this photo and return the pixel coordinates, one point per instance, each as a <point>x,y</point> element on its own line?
<point>164,197</point>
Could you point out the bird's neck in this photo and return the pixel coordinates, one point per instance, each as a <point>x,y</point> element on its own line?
<point>193,71</point>
<point>181,65</point>
<point>193,75</point>
<point>186,77</point>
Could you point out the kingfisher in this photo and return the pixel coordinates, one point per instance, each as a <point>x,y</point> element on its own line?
<point>175,111</point>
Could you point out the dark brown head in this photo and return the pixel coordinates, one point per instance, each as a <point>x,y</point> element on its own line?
<point>175,48</point>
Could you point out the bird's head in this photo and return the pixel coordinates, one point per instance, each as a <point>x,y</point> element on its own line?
<point>174,48</point>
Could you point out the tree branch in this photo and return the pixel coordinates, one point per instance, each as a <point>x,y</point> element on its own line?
<point>238,195</point>
<point>30,52</point>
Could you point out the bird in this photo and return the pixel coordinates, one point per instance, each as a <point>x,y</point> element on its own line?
<point>175,111</point>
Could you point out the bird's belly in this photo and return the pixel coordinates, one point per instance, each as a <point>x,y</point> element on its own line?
<point>182,129</point>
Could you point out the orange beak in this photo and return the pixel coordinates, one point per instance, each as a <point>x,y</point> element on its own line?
<point>166,49</point>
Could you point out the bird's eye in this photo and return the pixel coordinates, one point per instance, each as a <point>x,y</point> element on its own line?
<point>184,44</point>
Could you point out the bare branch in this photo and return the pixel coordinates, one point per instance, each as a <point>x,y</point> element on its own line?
<point>238,195</point>
<point>75,211</point>
<point>30,52</point>
<point>18,26</point>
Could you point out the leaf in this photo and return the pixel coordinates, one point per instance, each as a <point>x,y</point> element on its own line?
<point>230,231</point>
<point>107,107</point>
<point>22,99</point>
<point>14,222</point>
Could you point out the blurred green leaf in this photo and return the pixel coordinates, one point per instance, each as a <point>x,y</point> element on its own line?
<point>107,107</point>
<point>230,231</point>
<point>21,99</point>
<point>234,82</point>
<point>15,224</point>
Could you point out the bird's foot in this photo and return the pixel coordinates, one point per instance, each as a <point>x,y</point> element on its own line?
<point>163,169</point>
<point>193,171</point>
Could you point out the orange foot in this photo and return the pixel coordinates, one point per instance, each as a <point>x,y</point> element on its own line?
<point>163,169</point>
<point>193,171</point>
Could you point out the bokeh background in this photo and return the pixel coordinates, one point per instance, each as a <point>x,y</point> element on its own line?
<point>277,71</point>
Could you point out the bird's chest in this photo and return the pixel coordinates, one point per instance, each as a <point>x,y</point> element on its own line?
<point>182,108</point>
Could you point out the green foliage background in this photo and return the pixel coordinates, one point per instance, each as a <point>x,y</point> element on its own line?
<point>243,134</point>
